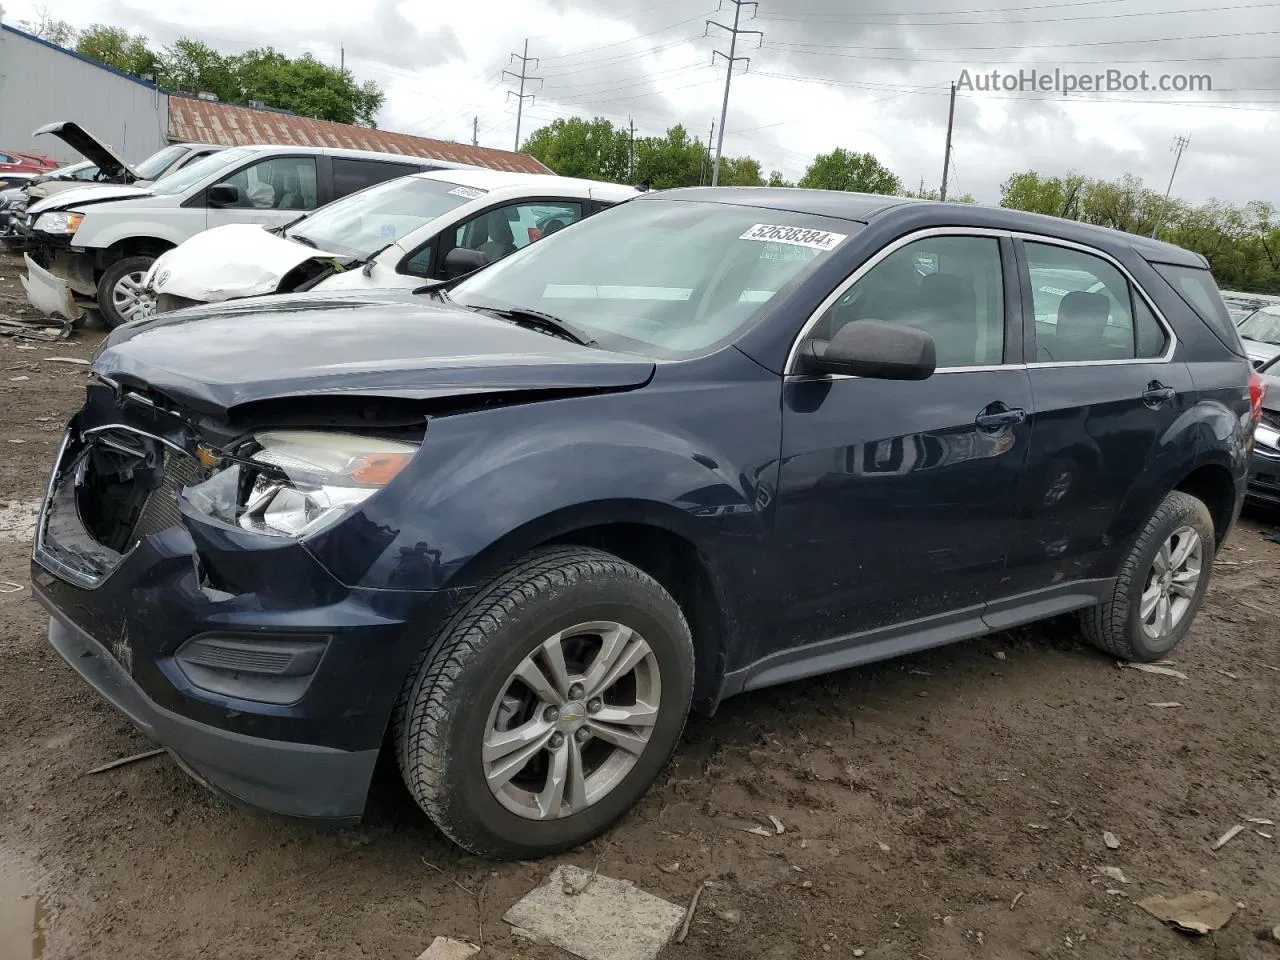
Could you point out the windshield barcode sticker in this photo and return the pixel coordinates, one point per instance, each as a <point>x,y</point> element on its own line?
<point>796,236</point>
<point>471,193</point>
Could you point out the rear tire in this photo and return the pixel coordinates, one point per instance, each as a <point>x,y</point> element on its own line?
<point>121,296</point>
<point>461,701</point>
<point>1161,585</point>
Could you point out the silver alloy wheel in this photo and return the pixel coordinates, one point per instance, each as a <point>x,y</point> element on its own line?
<point>1171,583</point>
<point>132,300</point>
<point>572,720</point>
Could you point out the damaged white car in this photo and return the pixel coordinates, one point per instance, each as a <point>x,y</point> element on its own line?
<point>400,234</point>
<point>91,247</point>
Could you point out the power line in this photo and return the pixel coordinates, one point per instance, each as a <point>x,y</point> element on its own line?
<point>522,76</point>
<point>730,59</point>
<point>777,44</point>
<point>1003,20</point>
<point>896,14</point>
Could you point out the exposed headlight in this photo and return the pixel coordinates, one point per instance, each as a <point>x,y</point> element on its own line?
<point>296,483</point>
<point>59,221</point>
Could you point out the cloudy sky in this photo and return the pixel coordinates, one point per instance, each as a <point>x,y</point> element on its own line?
<point>827,74</point>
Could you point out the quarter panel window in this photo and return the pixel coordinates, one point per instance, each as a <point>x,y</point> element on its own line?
<point>951,287</point>
<point>352,175</point>
<point>1082,308</point>
<point>1151,338</point>
<point>278,183</point>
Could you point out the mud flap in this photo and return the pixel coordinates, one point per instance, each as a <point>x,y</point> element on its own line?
<point>49,294</point>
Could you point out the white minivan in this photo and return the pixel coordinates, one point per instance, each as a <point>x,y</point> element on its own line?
<point>92,246</point>
<point>400,234</point>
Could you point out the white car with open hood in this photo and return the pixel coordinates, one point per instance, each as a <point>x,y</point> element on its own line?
<point>403,233</point>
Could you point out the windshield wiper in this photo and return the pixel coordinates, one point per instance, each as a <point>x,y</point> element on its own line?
<point>305,240</point>
<point>545,322</point>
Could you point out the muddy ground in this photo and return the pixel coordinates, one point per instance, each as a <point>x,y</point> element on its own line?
<point>947,805</point>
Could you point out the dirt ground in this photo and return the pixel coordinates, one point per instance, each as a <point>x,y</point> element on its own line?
<point>943,806</point>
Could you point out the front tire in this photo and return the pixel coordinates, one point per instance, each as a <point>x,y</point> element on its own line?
<point>121,294</point>
<point>553,700</point>
<point>1161,585</point>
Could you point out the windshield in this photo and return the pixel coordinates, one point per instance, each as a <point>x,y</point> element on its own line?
<point>1262,326</point>
<point>189,176</point>
<point>663,278</point>
<point>363,223</point>
<point>154,166</point>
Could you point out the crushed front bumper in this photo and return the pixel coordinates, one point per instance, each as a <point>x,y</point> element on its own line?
<point>48,293</point>
<point>302,744</point>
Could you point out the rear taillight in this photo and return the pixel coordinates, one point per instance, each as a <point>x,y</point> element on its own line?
<point>1257,393</point>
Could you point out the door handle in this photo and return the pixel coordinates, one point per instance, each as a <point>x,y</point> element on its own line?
<point>997,415</point>
<point>1157,394</point>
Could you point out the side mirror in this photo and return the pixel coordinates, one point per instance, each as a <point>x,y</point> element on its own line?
<point>873,349</point>
<point>462,260</point>
<point>223,195</point>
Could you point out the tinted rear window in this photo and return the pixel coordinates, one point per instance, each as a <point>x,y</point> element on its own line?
<point>1196,286</point>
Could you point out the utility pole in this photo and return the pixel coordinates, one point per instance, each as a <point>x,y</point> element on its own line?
<point>475,131</point>
<point>1179,145</point>
<point>631,151</point>
<point>946,159</point>
<point>342,58</point>
<point>731,58</point>
<point>522,76</point>
<point>706,156</point>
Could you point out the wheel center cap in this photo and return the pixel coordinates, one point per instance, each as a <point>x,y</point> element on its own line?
<point>572,716</point>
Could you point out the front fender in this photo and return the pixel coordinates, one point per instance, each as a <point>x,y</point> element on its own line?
<point>696,458</point>
<point>94,236</point>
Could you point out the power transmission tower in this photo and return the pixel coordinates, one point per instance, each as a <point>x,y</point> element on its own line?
<point>1179,145</point>
<point>522,76</point>
<point>706,156</point>
<point>731,58</point>
<point>946,158</point>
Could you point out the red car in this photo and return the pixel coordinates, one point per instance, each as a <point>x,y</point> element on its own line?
<point>25,163</point>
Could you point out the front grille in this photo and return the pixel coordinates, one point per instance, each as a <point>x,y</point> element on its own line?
<point>160,512</point>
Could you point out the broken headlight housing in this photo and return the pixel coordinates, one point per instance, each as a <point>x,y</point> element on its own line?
<point>59,221</point>
<point>295,483</point>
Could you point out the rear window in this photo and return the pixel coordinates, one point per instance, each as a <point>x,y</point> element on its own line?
<point>1196,286</point>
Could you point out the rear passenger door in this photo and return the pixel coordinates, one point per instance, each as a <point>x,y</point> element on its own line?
<point>1105,390</point>
<point>897,499</point>
<point>348,175</point>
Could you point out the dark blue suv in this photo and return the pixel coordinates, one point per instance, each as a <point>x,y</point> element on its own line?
<point>515,527</point>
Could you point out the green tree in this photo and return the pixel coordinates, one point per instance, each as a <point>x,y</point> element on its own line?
<point>304,85</point>
<point>776,179</point>
<point>1054,196</point>
<point>590,149</point>
<point>117,47</point>
<point>843,169</point>
<point>926,194</point>
<point>46,28</point>
<point>195,67</point>
<point>673,160</point>
<point>740,172</point>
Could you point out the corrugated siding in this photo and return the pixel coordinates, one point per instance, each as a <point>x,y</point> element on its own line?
<point>41,84</point>
<point>234,126</point>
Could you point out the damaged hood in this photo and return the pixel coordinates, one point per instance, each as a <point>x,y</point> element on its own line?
<point>229,262</point>
<point>91,193</point>
<point>388,345</point>
<point>91,148</point>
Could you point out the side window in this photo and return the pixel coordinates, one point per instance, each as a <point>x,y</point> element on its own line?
<point>278,183</point>
<point>501,232</point>
<point>1149,335</point>
<point>419,265</point>
<point>352,175</point>
<point>951,287</point>
<point>1082,306</point>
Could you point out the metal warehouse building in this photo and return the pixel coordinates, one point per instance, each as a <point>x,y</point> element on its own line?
<point>41,83</point>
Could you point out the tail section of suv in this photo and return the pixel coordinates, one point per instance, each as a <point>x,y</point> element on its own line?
<point>701,443</point>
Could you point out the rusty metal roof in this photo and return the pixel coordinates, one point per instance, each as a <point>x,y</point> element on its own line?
<point>205,121</point>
